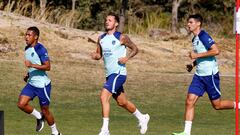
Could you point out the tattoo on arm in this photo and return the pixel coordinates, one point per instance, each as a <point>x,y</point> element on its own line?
<point>127,42</point>
<point>97,55</point>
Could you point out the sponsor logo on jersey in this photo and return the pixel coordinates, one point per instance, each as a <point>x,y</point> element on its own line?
<point>107,52</point>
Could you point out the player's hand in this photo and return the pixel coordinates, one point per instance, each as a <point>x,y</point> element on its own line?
<point>193,55</point>
<point>123,60</point>
<point>25,78</point>
<point>95,56</point>
<point>189,67</point>
<point>28,64</point>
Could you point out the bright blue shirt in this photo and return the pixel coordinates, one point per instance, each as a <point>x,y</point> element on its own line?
<point>37,55</point>
<point>206,65</point>
<point>112,50</point>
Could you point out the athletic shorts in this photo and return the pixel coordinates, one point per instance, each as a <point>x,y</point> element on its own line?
<point>42,93</point>
<point>209,84</point>
<point>114,83</point>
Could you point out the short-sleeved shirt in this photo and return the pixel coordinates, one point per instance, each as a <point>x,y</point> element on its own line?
<point>112,50</point>
<point>206,65</point>
<point>37,55</point>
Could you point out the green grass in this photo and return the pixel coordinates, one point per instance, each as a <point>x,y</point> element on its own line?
<point>76,106</point>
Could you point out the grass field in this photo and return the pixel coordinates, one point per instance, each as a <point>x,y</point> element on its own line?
<point>157,83</point>
<point>76,106</point>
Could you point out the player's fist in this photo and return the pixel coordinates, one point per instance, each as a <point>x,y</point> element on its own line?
<point>123,60</point>
<point>95,56</point>
<point>25,78</point>
<point>189,67</point>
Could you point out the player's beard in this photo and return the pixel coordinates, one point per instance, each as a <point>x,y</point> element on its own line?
<point>112,29</point>
<point>108,29</point>
<point>28,43</point>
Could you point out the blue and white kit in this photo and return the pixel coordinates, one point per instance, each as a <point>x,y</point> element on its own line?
<point>112,50</point>
<point>38,83</point>
<point>206,78</point>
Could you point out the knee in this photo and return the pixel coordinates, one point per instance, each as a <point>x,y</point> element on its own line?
<point>189,102</point>
<point>217,106</point>
<point>21,105</point>
<point>45,111</point>
<point>103,98</point>
<point>122,103</point>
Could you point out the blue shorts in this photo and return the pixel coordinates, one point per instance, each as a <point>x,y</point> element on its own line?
<point>114,83</point>
<point>42,93</point>
<point>209,84</point>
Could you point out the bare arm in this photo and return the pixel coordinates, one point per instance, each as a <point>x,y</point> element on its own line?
<point>46,66</point>
<point>213,51</point>
<point>98,54</point>
<point>125,40</point>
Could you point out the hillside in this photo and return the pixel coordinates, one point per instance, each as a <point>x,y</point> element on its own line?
<point>68,45</point>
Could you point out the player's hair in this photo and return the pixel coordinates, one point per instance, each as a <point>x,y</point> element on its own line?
<point>115,16</point>
<point>196,17</point>
<point>35,30</point>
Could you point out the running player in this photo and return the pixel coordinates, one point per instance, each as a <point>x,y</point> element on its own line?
<point>38,83</point>
<point>112,47</point>
<point>206,78</point>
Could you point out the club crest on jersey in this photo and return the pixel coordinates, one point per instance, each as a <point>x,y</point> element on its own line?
<point>46,55</point>
<point>32,54</point>
<point>210,40</point>
<point>113,42</point>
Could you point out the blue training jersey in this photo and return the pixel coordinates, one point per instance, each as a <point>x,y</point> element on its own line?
<point>206,65</point>
<point>37,55</point>
<point>112,50</point>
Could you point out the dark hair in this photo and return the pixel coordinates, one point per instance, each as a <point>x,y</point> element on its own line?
<point>35,30</point>
<point>196,17</point>
<point>115,16</point>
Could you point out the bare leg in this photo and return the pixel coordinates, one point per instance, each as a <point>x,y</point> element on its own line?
<point>50,119</point>
<point>123,102</point>
<point>23,104</point>
<point>105,102</point>
<point>47,115</point>
<point>219,104</point>
<point>189,112</point>
<point>189,106</point>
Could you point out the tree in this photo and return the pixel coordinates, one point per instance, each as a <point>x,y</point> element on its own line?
<point>43,4</point>
<point>73,5</point>
<point>175,6</point>
<point>122,15</point>
<point>3,4</point>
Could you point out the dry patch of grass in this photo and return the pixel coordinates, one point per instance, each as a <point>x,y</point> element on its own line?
<point>68,44</point>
